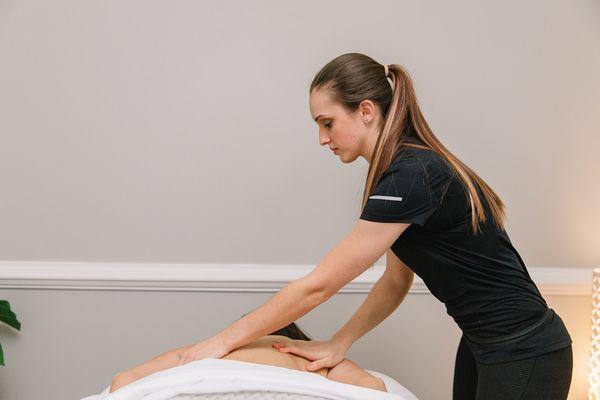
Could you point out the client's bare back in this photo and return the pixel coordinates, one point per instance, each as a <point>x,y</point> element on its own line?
<point>258,352</point>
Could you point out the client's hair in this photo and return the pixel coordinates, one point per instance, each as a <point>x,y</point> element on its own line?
<point>292,331</point>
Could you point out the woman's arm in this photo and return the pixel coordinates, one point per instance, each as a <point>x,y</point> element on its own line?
<point>286,306</point>
<point>385,296</point>
<point>163,361</point>
<point>365,244</point>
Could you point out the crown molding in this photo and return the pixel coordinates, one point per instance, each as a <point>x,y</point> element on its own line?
<point>229,277</point>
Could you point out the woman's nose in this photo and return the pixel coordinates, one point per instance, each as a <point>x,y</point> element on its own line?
<point>323,140</point>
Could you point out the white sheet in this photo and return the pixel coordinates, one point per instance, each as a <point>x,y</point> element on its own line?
<point>211,375</point>
<point>393,386</point>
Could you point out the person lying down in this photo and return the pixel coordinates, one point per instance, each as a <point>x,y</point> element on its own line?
<point>260,351</point>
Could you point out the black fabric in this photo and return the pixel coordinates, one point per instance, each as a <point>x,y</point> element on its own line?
<point>544,377</point>
<point>481,278</point>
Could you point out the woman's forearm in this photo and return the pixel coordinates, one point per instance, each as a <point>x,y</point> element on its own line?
<point>383,299</point>
<point>286,306</point>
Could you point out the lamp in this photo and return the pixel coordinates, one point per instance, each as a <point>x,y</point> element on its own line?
<point>594,392</point>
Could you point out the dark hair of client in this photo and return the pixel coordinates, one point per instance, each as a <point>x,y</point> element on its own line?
<point>292,331</point>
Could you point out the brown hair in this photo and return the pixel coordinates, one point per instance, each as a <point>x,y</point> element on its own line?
<point>354,77</point>
<point>292,331</point>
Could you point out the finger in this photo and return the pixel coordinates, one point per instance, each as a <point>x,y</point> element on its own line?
<point>294,350</point>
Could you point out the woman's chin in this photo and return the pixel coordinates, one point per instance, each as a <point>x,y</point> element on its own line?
<point>346,159</point>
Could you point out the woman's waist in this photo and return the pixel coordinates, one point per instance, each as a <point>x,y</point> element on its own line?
<point>530,329</point>
<point>493,316</point>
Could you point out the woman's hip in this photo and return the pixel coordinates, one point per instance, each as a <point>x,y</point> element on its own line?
<point>545,376</point>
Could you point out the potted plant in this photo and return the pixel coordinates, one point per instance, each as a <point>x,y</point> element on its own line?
<point>8,317</point>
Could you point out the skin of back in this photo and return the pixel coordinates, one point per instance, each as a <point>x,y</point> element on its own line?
<point>261,352</point>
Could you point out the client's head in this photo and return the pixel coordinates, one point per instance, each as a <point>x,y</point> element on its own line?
<point>292,331</point>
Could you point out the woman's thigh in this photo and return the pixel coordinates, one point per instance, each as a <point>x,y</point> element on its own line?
<point>547,377</point>
<point>464,386</point>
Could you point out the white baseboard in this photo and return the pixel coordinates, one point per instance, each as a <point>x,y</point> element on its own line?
<point>228,277</point>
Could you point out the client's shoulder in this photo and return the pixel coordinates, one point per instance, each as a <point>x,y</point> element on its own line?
<point>349,372</point>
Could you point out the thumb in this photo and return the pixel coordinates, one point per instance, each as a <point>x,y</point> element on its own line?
<point>315,365</point>
<point>294,350</point>
<point>288,348</point>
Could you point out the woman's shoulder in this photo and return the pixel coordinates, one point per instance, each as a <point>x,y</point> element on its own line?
<point>346,371</point>
<point>418,161</point>
<point>349,372</point>
<point>418,155</point>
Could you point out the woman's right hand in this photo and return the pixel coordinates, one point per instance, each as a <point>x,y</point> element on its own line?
<point>322,353</point>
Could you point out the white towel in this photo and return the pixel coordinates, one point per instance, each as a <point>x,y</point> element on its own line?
<point>393,386</point>
<point>220,375</point>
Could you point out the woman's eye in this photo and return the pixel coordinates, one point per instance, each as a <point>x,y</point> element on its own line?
<point>328,125</point>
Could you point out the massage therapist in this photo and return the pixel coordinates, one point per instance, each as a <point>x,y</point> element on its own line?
<point>432,215</point>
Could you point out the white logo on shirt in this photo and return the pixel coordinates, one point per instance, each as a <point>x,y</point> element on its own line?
<point>386,198</point>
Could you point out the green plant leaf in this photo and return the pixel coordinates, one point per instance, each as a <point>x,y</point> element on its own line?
<point>7,316</point>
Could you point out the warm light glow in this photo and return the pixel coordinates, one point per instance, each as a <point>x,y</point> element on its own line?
<point>594,393</point>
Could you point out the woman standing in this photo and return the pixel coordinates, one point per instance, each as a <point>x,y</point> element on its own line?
<point>431,215</point>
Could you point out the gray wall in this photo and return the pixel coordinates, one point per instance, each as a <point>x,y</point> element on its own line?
<point>180,132</point>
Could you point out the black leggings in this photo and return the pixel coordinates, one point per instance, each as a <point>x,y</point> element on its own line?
<point>546,377</point>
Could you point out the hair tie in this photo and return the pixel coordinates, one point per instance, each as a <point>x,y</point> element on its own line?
<point>386,70</point>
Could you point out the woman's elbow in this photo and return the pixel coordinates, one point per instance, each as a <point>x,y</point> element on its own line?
<point>318,292</point>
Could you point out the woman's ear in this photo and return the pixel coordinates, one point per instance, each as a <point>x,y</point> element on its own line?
<point>367,111</point>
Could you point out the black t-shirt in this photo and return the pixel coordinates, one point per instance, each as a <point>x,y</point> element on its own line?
<point>481,278</point>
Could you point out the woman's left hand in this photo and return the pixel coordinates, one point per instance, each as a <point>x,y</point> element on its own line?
<point>325,354</point>
<point>210,348</point>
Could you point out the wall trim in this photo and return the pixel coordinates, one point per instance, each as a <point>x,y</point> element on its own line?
<point>228,277</point>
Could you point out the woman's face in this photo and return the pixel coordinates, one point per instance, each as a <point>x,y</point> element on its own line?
<point>351,134</point>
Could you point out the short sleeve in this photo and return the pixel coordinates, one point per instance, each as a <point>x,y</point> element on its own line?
<point>409,192</point>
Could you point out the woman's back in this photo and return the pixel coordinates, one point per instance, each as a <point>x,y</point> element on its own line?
<point>261,352</point>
